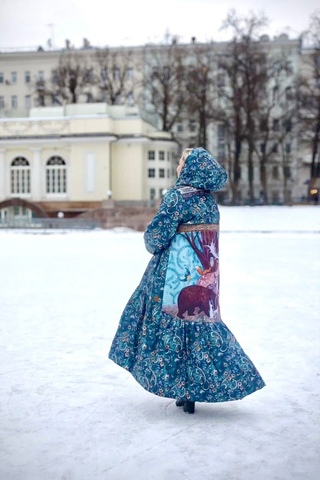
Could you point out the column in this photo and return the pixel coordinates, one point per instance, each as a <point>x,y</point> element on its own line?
<point>36,175</point>
<point>3,192</point>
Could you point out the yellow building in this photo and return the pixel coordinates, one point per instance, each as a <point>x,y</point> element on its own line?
<point>73,158</point>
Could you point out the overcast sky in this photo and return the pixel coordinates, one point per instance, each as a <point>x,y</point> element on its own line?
<point>30,23</point>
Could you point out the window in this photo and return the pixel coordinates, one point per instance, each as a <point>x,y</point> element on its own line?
<point>152,193</point>
<point>130,73</point>
<point>289,95</point>
<point>275,172</point>
<point>130,98</point>
<point>289,68</point>
<point>166,72</point>
<point>168,173</point>
<point>264,124</point>
<point>151,172</point>
<point>56,175</point>
<point>221,133</point>
<point>288,125</point>
<point>221,142</point>
<point>221,151</point>
<point>275,94</point>
<point>221,80</point>
<point>27,77</point>
<point>151,155</point>
<point>179,127</point>
<point>275,125</point>
<point>89,75</point>
<point>104,73</point>
<point>275,196</point>
<point>287,171</point>
<point>20,176</point>
<point>1,77</point>
<point>1,103</point>
<point>168,156</point>
<point>276,66</point>
<point>192,126</point>
<point>161,155</point>
<point>90,98</point>
<point>20,212</point>
<point>14,101</point>
<point>161,173</point>
<point>287,147</point>
<point>116,74</point>
<point>155,73</point>
<point>27,101</point>
<point>316,170</point>
<point>41,76</point>
<point>55,76</point>
<point>13,78</point>
<point>262,148</point>
<point>275,148</point>
<point>309,101</point>
<point>55,100</point>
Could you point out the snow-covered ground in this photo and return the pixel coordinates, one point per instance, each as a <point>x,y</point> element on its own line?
<point>68,413</point>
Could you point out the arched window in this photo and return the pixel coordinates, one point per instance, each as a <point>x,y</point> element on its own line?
<point>20,176</point>
<point>56,175</point>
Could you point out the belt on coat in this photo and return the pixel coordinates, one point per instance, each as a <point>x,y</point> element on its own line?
<point>186,227</point>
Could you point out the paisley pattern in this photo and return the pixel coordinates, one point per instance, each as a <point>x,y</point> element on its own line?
<point>186,352</point>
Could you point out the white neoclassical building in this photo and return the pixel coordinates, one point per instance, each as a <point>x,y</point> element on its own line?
<point>21,73</point>
<point>72,158</point>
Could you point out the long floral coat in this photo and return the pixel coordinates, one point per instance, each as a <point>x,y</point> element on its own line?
<point>171,336</point>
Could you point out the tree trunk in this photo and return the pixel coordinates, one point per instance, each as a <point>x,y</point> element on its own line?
<point>250,176</point>
<point>315,147</point>
<point>264,181</point>
<point>236,173</point>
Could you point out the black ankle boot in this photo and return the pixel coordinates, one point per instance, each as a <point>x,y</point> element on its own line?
<point>180,402</point>
<point>188,407</point>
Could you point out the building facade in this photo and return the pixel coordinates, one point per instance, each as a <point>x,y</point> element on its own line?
<point>288,166</point>
<point>66,160</point>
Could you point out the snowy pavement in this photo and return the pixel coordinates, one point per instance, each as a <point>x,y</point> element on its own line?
<point>69,413</point>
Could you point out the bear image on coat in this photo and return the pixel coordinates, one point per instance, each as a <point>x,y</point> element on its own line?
<point>196,296</point>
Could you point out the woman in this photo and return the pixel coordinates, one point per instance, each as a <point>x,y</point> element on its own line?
<point>171,336</point>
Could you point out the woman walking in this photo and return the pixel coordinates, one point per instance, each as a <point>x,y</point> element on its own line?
<point>171,336</point>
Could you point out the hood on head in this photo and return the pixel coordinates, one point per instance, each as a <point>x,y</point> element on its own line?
<point>203,171</point>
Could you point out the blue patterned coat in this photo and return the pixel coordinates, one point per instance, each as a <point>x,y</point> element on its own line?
<point>171,336</point>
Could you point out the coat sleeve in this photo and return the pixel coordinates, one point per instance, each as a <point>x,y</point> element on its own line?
<point>163,227</point>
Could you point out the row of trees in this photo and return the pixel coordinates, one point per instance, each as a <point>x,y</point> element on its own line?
<point>250,90</point>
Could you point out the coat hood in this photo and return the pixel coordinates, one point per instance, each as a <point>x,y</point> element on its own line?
<point>202,171</point>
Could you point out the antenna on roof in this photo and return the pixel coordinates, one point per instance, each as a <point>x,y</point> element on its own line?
<point>50,41</point>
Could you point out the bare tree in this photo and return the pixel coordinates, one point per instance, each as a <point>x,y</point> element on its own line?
<point>201,90</point>
<point>71,82</point>
<point>276,120</point>
<point>309,96</point>
<point>164,82</point>
<point>116,76</point>
<point>230,118</point>
<point>244,64</point>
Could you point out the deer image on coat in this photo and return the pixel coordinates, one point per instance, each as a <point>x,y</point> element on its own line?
<point>195,296</point>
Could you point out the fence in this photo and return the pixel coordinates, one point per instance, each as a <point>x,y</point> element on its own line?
<point>51,223</point>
